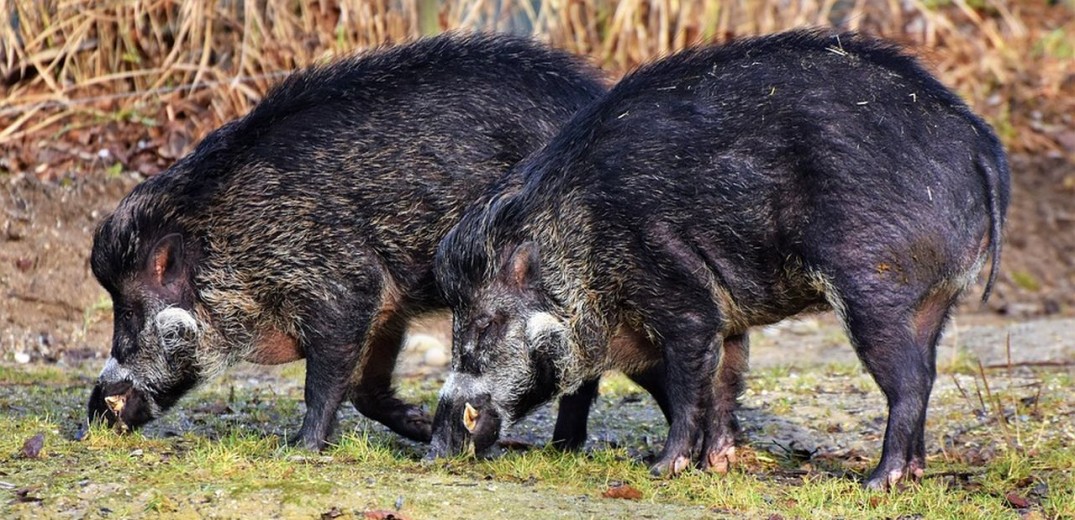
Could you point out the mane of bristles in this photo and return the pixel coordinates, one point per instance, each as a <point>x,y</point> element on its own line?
<point>377,75</point>
<point>469,255</point>
<point>883,53</point>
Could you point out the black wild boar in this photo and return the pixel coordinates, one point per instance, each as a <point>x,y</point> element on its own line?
<point>721,188</point>
<point>307,228</point>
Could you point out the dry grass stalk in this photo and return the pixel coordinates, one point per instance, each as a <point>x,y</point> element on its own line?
<point>58,55</point>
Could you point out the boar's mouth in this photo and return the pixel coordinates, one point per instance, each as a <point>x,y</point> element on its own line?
<point>464,428</point>
<point>124,407</point>
<point>120,405</point>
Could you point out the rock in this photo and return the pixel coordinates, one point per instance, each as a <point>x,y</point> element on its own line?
<point>434,351</point>
<point>436,357</point>
<point>422,343</point>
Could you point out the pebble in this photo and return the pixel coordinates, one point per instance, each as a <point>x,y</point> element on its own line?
<point>434,351</point>
<point>436,357</point>
<point>22,358</point>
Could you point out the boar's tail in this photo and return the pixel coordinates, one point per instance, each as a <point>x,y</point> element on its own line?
<point>993,166</point>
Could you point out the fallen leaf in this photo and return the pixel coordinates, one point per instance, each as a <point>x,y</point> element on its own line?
<point>1016,501</point>
<point>31,449</point>
<point>381,514</point>
<point>624,491</point>
<point>24,264</point>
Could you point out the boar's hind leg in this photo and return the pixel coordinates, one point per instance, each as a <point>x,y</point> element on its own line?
<point>690,344</point>
<point>929,319</point>
<point>373,394</point>
<point>721,426</point>
<point>652,380</point>
<point>895,334</point>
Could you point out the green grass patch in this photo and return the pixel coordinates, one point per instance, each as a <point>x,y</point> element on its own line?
<point>227,458</point>
<point>23,375</point>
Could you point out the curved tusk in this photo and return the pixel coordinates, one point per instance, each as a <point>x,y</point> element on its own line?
<point>470,417</point>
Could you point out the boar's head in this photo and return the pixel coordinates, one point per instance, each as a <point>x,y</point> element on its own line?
<point>148,270</point>
<point>507,345</point>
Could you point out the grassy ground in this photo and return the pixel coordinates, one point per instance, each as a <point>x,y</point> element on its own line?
<point>999,448</point>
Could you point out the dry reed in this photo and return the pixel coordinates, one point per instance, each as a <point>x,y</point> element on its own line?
<point>66,62</point>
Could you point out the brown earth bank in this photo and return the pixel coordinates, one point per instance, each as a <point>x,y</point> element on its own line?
<point>52,308</point>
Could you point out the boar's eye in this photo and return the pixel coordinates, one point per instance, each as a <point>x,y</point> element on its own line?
<point>487,329</point>
<point>481,323</point>
<point>127,316</point>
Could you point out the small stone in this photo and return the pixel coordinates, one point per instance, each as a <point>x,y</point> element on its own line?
<point>422,343</point>
<point>436,357</point>
<point>22,358</point>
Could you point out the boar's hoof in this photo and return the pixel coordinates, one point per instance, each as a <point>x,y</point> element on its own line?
<point>308,442</point>
<point>891,479</point>
<point>411,422</point>
<point>720,460</point>
<point>670,468</point>
<point>408,420</point>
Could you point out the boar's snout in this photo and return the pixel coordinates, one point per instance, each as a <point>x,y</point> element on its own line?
<point>464,426</point>
<point>119,404</point>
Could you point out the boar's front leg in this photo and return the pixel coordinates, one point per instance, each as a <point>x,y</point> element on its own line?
<point>335,334</point>
<point>569,434</point>
<point>328,374</point>
<point>373,394</point>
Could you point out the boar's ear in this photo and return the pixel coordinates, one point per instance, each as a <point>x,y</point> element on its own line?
<point>524,265</point>
<point>166,260</point>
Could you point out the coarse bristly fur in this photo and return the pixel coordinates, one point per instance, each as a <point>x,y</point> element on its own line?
<point>307,228</point>
<point>717,189</point>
